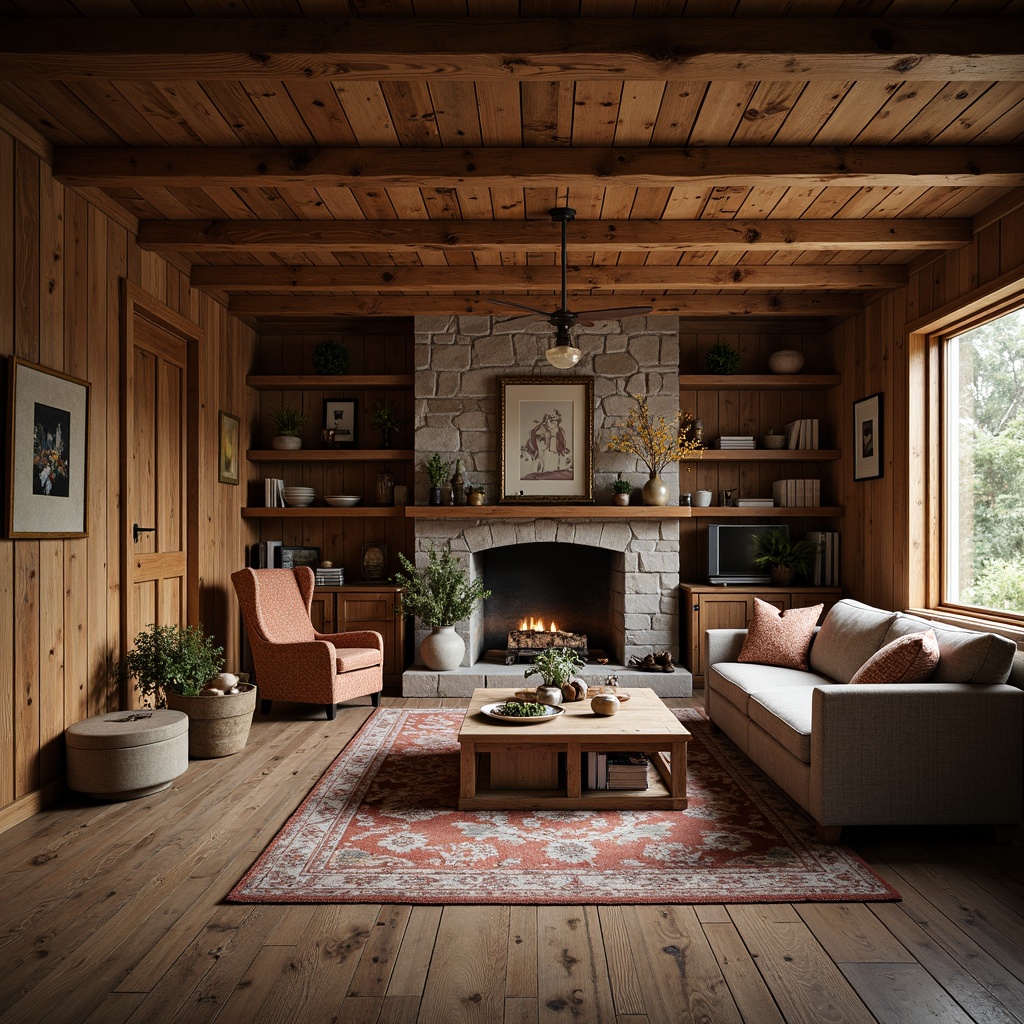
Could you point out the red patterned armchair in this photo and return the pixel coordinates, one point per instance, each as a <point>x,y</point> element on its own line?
<point>292,660</point>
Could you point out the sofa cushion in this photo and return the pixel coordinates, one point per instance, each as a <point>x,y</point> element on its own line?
<point>907,659</point>
<point>786,716</point>
<point>965,656</point>
<point>850,634</point>
<point>779,638</point>
<point>737,682</point>
<point>352,658</point>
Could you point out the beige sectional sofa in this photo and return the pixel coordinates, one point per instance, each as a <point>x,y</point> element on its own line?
<point>946,751</point>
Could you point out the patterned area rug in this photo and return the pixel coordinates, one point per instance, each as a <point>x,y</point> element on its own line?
<point>380,827</point>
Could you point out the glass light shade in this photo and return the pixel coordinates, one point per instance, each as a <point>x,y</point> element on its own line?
<point>564,356</point>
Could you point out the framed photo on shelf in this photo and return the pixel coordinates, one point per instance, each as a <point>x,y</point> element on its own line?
<point>340,417</point>
<point>228,431</point>
<point>867,438</point>
<point>545,449</point>
<point>292,558</point>
<point>47,458</point>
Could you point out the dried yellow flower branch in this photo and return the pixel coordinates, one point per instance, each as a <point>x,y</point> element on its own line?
<point>654,443</point>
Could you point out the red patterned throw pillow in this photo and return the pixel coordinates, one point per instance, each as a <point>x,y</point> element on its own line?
<point>780,638</point>
<point>908,659</point>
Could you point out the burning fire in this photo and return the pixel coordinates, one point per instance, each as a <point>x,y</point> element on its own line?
<point>537,626</point>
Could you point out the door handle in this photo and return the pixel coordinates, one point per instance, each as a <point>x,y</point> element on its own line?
<point>136,530</point>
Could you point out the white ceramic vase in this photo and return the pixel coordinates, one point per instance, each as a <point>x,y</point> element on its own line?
<point>786,360</point>
<point>702,499</point>
<point>442,649</point>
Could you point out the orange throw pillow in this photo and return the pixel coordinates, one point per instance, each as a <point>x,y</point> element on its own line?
<point>780,638</point>
<point>908,659</point>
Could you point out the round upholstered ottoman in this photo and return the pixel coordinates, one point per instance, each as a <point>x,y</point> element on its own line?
<point>127,754</point>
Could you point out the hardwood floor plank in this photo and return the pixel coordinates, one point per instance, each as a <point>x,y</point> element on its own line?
<point>806,985</point>
<point>521,972</point>
<point>115,1009</point>
<point>748,989</point>
<point>254,987</point>
<point>903,994</point>
<point>521,1011</point>
<point>413,960</point>
<point>572,973</point>
<point>627,991</point>
<point>373,972</point>
<point>850,933</point>
<point>680,971</point>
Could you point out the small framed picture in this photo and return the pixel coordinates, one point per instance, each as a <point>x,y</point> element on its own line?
<point>292,558</point>
<point>340,422</point>
<point>229,430</point>
<point>867,438</point>
<point>47,458</point>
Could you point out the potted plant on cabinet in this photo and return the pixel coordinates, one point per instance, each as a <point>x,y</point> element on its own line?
<point>621,490</point>
<point>784,557</point>
<point>174,667</point>
<point>439,595</point>
<point>437,470</point>
<point>288,423</point>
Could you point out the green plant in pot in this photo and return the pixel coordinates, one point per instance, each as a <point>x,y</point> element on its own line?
<point>557,667</point>
<point>180,668</point>
<point>784,557</point>
<point>386,419</point>
<point>437,470</point>
<point>722,359</point>
<point>621,490</point>
<point>439,595</point>
<point>331,357</point>
<point>288,423</point>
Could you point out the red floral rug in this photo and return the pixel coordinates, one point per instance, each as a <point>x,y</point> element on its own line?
<point>381,827</point>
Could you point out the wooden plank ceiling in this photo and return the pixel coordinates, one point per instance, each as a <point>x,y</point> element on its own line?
<point>318,157</point>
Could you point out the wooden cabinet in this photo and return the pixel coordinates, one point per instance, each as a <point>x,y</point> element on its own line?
<point>368,606</point>
<point>704,607</point>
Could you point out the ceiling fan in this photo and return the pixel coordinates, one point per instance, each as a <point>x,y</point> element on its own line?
<point>563,353</point>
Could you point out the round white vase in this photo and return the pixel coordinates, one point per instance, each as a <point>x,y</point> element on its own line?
<point>786,360</point>
<point>442,649</point>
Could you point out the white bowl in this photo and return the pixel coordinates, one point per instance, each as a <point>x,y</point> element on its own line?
<point>342,500</point>
<point>298,494</point>
<point>298,502</point>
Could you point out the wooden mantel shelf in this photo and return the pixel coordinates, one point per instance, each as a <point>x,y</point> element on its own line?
<point>546,512</point>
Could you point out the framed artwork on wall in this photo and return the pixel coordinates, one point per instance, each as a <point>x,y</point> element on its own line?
<point>340,422</point>
<point>228,432</point>
<point>545,448</point>
<point>867,438</point>
<point>47,452</point>
<point>292,558</point>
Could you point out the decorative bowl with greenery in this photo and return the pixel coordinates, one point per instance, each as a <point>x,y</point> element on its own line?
<point>439,594</point>
<point>556,666</point>
<point>722,359</point>
<point>288,421</point>
<point>778,551</point>
<point>331,357</point>
<point>167,658</point>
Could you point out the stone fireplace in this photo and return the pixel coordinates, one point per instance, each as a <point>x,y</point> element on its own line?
<point>459,363</point>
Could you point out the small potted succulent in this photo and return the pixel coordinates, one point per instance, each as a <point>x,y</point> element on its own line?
<point>288,423</point>
<point>621,490</point>
<point>385,419</point>
<point>437,470</point>
<point>784,557</point>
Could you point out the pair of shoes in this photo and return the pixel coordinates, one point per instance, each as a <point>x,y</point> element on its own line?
<point>664,661</point>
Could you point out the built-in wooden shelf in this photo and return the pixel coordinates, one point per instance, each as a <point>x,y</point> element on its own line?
<point>758,381</point>
<point>770,455</point>
<point>324,512</point>
<point>332,455</point>
<point>329,382</point>
<point>547,512</point>
<point>801,511</point>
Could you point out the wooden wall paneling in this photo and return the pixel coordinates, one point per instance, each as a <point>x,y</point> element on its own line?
<point>8,755</point>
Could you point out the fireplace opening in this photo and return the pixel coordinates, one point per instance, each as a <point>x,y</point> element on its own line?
<point>565,585</point>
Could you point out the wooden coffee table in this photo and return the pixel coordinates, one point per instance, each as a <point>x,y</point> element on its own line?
<point>534,767</point>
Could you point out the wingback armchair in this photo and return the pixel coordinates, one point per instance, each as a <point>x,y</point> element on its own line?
<point>292,660</point>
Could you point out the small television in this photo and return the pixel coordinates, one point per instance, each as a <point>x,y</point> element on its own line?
<point>732,549</point>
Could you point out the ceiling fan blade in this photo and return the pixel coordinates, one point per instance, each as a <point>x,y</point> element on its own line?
<point>588,317</point>
<point>519,305</point>
<point>531,318</point>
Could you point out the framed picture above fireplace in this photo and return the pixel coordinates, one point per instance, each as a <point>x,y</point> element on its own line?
<point>545,449</point>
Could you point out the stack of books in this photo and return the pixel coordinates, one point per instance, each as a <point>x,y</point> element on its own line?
<point>794,493</point>
<point>802,434</point>
<point>826,562</point>
<point>273,492</point>
<point>627,771</point>
<point>266,555</point>
<point>330,577</point>
<point>733,442</point>
<point>755,502</point>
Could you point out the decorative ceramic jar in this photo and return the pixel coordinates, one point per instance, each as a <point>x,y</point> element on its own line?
<point>620,499</point>
<point>475,497</point>
<point>442,649</point>
<point>701,499</point>
<point>550,695</point>
<point>773,442</point>
<point>434,496</point>
<point>385,488</point>
<point>655,491</point>
<point>604,704</point>
<point>786,360</point>
<point>286,443</point>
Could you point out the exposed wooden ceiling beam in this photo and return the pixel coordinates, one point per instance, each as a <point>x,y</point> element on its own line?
<point>309,236</point>
<point>519,279</point>
<point>552,167</point>
<point>431,305</point>
<point>415,49</point>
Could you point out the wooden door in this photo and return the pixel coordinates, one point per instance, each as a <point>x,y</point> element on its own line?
<point>158,446</point>
<point>321,611</point>
<point>373,610</point>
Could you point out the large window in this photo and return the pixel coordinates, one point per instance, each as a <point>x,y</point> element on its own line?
<point>983,500</point>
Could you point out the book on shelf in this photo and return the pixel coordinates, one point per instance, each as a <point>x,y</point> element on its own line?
<point>330,577</point>
<point>617,770</point>
<point>826,559</point>
<point>732,442</point>
<point>273,492</point>
<point>755,502</point>
<point>265,555</point>
<point>802,493</point>
<point>802,434</point>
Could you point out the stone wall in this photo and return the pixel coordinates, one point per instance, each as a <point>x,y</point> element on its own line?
<point>459,363</point>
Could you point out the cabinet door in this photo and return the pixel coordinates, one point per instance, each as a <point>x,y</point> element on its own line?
<point>719,611</point>
<point>372,611</point>
<point>321,612</point>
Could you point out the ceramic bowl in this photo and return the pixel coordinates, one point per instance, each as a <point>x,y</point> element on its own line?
<point>342,500</point>
<point>298,501</point>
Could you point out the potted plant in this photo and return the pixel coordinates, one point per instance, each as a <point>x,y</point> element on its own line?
<point>331,357</point>
<point>174,667</point>
<point>385,419</point>
<point>437,470</point>
<point>655,443</point>
<point>557,667</point>
<point>722,359</point>
<point>288,423</point>
<point>785,557</point>
<point>439,595</point>
<point>621,490</point>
